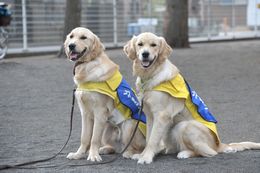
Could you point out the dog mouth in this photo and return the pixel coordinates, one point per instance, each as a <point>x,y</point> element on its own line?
<point>74,56</point>
<point>147,63</point>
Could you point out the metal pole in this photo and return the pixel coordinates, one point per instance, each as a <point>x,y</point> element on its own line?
<point>233,18</point>
<point>150,15</point>
<point>115,23</point>
<point>255,28</point>
<point>149,8</point>
<point>135,9</point>
<point>25,41</point>
<point>209,18</point>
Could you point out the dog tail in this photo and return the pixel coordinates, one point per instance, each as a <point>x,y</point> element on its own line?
<point>204,150</point>
<point>241,146</point>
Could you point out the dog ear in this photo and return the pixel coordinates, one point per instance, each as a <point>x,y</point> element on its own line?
<point>129,48</point>
<point>97,47</point>
<point>165,50</point>
<point>65,46</point>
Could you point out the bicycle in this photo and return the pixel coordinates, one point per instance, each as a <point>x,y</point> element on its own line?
<point>5,20</point>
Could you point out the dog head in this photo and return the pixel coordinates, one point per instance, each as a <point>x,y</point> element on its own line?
<point>147,50</point>
<point>82,44</point>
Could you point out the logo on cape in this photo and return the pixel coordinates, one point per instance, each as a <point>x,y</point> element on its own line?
<point>128,98</point>
<point>202,108</point>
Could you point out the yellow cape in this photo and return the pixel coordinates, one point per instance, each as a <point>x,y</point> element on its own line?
<point>177,88</point>
<point>108,88</point>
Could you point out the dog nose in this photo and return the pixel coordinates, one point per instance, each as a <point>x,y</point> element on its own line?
<point>72,46</point>
<point>145,54</point>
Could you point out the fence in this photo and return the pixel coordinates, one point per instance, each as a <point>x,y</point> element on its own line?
<point>38,25</point>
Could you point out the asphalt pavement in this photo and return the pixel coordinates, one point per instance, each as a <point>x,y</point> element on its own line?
<point>36,93</point>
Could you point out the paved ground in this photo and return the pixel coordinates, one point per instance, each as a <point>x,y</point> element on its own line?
<point>35,98</point>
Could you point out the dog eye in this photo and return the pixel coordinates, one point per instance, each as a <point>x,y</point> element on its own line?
<point>153,45</point>
<point>140,44</point>
<point>83,37</point>
<point>71,36</point>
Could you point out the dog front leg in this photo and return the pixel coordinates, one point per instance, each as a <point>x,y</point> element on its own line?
<point>100,119</point>
<point>86,130</point>
<point>149,125</point>
<point>160,126</point>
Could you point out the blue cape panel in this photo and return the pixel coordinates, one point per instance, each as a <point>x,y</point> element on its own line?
<point>202,107</point>
<point>128,98</point>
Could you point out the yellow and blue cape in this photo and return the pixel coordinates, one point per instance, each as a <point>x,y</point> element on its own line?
<point>179,88</point>
<point>125,100</point>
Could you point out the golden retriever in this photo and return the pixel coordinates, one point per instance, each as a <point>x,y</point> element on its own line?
<point>168,119</point>
<point>84,47</point>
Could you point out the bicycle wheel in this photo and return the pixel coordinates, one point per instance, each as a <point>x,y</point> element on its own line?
<point>3,42</point>
<point>3,50</point>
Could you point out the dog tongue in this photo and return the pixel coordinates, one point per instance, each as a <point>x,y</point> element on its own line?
<point>145,63</point>
<point>73,56</point>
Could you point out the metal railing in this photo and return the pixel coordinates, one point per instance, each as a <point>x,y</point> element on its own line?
<point>37,25</point>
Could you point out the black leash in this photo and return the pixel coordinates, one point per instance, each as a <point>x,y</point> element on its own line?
<point>22,165</point>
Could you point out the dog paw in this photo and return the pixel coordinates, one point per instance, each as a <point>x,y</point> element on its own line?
<point>183,155</point>
<point>229,150</point>
<point>94,157</point>
<point>75,156</point>
<point>128,155</point>
<point>136,156</point>
<point>145,160</point>
<point>106,150</point>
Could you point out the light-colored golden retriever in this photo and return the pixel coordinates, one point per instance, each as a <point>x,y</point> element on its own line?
<point>93,65</point>
<point>168,119</point>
